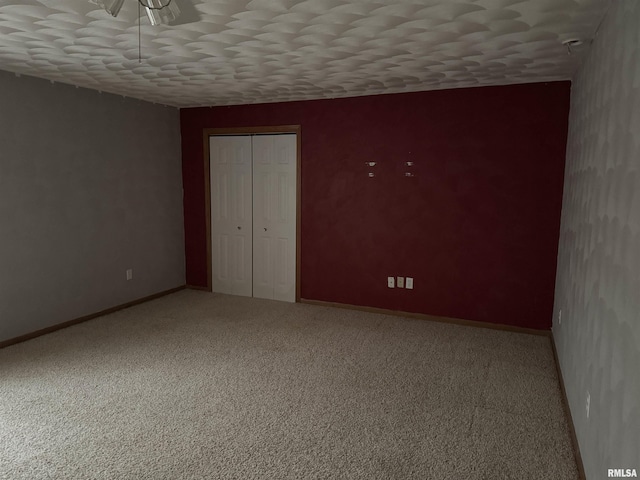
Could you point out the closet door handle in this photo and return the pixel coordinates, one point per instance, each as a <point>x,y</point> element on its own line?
<point>265,229</point>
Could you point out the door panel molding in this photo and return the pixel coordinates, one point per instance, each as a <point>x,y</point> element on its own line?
<point>231,213</point>
<point>276,129</point>
<point>274,219</point>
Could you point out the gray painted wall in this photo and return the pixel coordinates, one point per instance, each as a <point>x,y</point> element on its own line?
<point>90,185</point>
<point>598,280</point>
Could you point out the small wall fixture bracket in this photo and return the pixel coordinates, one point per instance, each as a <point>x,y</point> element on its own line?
<point>572,42</point>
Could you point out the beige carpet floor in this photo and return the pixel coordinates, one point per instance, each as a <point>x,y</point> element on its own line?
<point>203,386</point>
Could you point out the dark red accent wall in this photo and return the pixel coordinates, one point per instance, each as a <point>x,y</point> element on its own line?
<point>476,227</point>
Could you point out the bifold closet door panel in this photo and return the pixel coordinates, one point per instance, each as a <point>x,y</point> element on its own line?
<point>231,214</point>
<point>274,217</point>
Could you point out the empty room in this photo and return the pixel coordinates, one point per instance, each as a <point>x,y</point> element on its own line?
<point>313,239</point>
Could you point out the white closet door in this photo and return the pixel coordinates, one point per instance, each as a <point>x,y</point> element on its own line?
<point>274,217</point>
<point>231,225</point>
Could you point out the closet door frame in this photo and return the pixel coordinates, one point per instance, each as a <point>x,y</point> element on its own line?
<point>208,132</point>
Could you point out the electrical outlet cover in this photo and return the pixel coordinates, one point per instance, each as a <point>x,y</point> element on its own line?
<point>391,282</point>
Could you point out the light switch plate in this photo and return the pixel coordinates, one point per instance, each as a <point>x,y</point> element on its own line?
<point>391,282</point>
<point>400,282</point>
<point>408,283</point>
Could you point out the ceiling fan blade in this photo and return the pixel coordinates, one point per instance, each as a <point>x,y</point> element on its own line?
<point>111,6</point>
<point>159,12</point>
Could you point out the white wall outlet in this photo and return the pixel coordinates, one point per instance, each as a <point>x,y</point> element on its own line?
<point>408,283</point>
<point>400,282</point>
<point>560,317</point>
<point>129,274</point>
<point>391,282</point>
<point>588,403</point>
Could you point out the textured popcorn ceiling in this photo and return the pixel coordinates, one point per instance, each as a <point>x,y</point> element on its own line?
<point>241,51</point>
